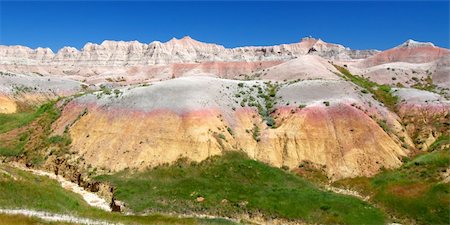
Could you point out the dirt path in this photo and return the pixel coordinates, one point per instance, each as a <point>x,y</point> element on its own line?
<point>53,217</point>
<point>91,198</point>
<point>347,192</point>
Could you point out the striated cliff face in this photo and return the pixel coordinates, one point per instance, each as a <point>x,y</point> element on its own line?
<point>410,52</point>
<point>198,117</point>
<point>408,64</point>
<point>18,92</point>
<point>185,50</point>
<point>425,116</point>
<point>133,62</point>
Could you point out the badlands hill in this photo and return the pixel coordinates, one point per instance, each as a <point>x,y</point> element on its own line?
<point>122,118</point>
<point>149,104</point>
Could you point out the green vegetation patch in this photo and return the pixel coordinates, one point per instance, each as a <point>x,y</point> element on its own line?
<point>35,192</point>
<point>25,220</point>
<point>11,121</point>
<point>263,98</point>
<point>412,192</point>
<point>15,120</point>
<point>23,190</point>
<point>233,184</point>
<point>443,140</point>
<point>381,93</point>
<point>16,147</point>
<point>424,84</point>
<point>16,142</point>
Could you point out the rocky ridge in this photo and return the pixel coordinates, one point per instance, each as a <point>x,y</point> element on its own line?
<point>185,50</point>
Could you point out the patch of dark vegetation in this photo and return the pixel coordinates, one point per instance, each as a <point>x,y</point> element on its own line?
<point>269,96</point>
<point>256,133</point>
<point>424,84</point>
<point>117,92</point>
<point>230,131</point>
<point>222,136</point>
<point>21,89</point>
<point>383,124</point>
<point>263,98</point>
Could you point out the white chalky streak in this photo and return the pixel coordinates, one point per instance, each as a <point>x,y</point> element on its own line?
<point>52,217</point>
<point>91,198</point>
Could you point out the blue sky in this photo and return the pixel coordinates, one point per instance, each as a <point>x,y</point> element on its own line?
<point>358,25</point>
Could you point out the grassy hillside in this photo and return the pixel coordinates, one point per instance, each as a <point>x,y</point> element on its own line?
<point>382,93</point>
<point>25,220</point>
<point>233,184</point>
<point>415,192</point>
<point>14,120</point>
<point>20,189</point>
<point>16,131</point>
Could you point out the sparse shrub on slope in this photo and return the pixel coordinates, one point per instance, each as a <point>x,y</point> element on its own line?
<point>381,93</point>
<point>264,101</point>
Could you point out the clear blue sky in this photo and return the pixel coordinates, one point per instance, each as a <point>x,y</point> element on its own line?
<point>358,25</point>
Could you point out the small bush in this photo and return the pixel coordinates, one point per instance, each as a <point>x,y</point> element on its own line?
<point>230,131</point>
<point>256,134</point>
<point>61,140</point>
<point>222,136</point>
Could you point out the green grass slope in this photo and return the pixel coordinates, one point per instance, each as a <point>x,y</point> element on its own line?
<point>382,93</point>
<point>416,193</point>
<point>14,144</point>
<point>22,190</point>
<point>231,185</point>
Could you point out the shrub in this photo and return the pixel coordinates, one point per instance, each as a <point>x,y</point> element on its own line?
<point>256,133</point>
<point>230,131</point>
<point>222,136</point>
<point>270,121</point>
<point>117,92</point>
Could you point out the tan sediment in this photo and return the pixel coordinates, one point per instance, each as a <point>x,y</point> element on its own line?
<point>343,138</point>
<point>7,105</point>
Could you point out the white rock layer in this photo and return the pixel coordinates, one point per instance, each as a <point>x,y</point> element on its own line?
<point>185,50</point>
